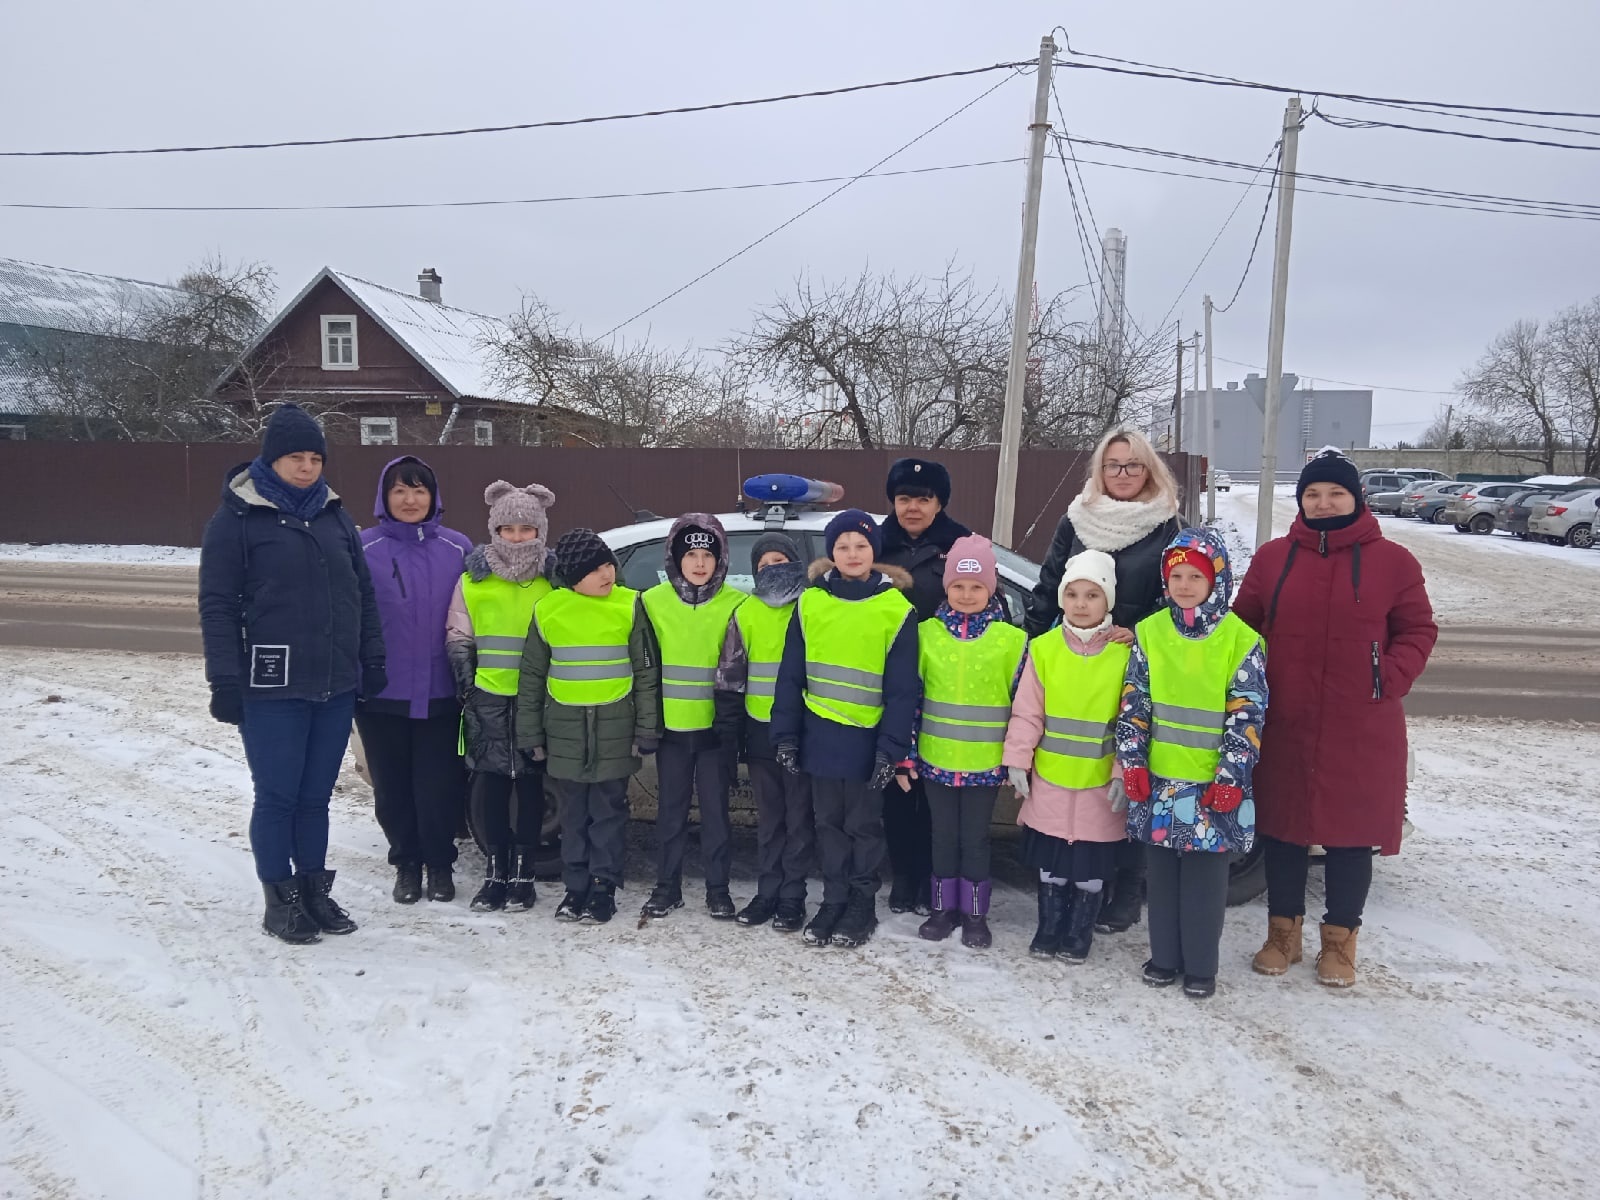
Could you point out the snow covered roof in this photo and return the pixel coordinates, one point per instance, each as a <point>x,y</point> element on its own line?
<point>45,297</point>
<point>1562,481</point>
<point>449,342</point>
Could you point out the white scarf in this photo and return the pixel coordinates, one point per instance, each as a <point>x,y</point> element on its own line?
<point>1086,635</point>
<point>1109,525</point>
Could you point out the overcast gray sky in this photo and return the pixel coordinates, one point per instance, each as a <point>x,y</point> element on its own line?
<point>1398,296</point>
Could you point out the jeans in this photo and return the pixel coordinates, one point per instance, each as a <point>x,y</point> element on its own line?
<point>1346,877</point>
<point>294,748</point>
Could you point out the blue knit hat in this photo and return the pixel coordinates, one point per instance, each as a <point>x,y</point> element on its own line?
<point>853,520</point>
<point>290,430</point>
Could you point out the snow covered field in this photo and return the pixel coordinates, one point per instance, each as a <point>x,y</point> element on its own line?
<point>152,1043</point>
<point>1492,579</point>
<point>142,556</point>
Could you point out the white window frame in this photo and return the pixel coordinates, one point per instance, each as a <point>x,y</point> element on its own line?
<point>355,350</point>
<point>380,431</point>
<point>482,433</point>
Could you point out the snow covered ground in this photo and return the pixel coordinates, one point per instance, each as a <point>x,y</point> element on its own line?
<point>1492,579</point>
<point>152,1043</point>
<point>142,556</point>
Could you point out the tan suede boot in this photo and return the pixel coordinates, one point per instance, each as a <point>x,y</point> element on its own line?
<point>1283,946</point>
<point>1336,963</point>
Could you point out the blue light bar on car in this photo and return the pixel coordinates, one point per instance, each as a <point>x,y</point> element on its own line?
<point>791,489</point>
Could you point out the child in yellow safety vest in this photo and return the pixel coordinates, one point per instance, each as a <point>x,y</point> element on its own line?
<point>485,627</point>
<point>968,657</point>
<point>587,708</point>
<point>847,694</point>
<point>689,612</point>
<point>751,652</point>
<point>1059,749</point>
<point>1188,738</point>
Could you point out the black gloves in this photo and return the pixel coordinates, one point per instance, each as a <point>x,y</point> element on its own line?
<point>227,703</point>
<point>882,770</point>
<point>644,747</point>
<point>788,756</point>
<point>373,681</point>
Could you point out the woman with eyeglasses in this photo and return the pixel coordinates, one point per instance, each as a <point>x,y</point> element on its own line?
<point>1128,508</point>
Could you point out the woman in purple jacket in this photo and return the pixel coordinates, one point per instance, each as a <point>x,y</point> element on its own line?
<point>410,729</point>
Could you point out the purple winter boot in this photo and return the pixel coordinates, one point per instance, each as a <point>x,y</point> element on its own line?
<point>974,913</point>
<point>946,915</point>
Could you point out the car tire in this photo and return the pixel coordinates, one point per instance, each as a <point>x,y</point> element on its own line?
<point>1441,517</point>
<point>1247,875</point>
<point>1580,537</point>
<point>1482,523</point>
<point>1460,528</point>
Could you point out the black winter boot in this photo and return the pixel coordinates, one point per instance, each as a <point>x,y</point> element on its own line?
<point>903,894</point>
<point>316,897</point>
<point>859,922</point>
<point>820,931</point>
<point>719,903</point>
<point>1158,977</point>
<point>285,919</point>
<point>1052,916</point>
<point>759,911</point>
<point>407,883</point>
<point>791,915</point>
<point>1126,905</point>
<point>601,905</point>
<point>520,893</point>
<point>572,906</point>
<point>1078,934</point>
<point>664,897</point>
<point>491,896</point>
<point>441,884</point>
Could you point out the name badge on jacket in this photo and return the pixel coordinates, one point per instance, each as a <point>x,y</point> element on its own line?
<point>269,666</point>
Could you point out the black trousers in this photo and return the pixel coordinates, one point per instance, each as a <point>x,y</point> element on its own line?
<point>785,833</point>
<point>908,831</point>
<point>594,824</point>
<point>1188,896</point>
<point>1347,878</point>
<point>497,823</point>
<point>850,842</point>
<point>418,784</point>
<point>682,775</point>
<point>961,818</point>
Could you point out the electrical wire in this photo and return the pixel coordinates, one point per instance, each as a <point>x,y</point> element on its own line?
<point>777,229</point>
<point>525,125</point>
<point>1371,387</point>
<point>1342,122</point>
<point>567,199</point>
<point>1188,75</point>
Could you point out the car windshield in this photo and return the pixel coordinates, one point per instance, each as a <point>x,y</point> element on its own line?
<point>1014,562</point>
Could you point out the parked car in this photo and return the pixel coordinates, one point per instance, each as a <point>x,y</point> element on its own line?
<point>1374,482</point>
<point>1224,482</point>
<point>1423,473</point>
<point>1473,511</point>
<point>1386,503</point>
<point>1570,519</point>
<point>1417,495</point>
<point>1516,508</point>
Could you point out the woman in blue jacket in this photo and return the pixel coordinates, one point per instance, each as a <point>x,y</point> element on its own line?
<point>291,635</point>
<point>410,731</point>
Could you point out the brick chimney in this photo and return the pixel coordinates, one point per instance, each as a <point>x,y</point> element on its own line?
<point>428,285</point>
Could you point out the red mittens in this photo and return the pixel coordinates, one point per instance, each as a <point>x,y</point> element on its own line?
<point>1222,797</point>
<point>1136,781</point>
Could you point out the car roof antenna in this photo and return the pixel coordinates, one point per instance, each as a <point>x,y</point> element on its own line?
<point>639,515</point>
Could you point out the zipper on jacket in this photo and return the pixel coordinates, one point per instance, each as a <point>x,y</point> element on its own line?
<point>1322,543</point>
<point>1377,672</point>
<point>399,578</point>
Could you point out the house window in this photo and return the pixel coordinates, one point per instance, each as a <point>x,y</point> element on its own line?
<point>483,433</point>
<point>339,344</point>
<point>13,433</point>
<point>380,431</point>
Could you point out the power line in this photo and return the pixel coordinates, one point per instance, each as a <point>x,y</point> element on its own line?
<point>1460,116</point>
<point>551,124</point>
<point>1189,75</point>
<point>773,232</point>
<point>1372,387</point>
<point>410,204</point>
<point>1341,122</point>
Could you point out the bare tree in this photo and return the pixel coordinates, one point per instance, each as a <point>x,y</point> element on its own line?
<point>1573,344</point>
<point>1511,388</point>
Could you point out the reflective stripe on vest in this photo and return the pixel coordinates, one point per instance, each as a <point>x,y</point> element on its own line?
<point>1189,680</point>
<point>690,636</point>
<point>1081,698</point>
<point>966,694</point>
<point>847,645</point>
<point>501,612</point>
<point>763,629</point>
<point>588,640</point>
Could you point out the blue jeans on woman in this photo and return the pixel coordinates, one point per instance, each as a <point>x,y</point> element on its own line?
<point>294,748</point>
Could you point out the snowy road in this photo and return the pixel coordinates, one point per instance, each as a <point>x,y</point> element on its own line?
<point>153,1044</point>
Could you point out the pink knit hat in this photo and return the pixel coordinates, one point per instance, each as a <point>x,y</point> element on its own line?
<point>972,557</point>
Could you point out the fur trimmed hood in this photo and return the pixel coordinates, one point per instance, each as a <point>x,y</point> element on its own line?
<point>687,592</point>
<point>895,576</point>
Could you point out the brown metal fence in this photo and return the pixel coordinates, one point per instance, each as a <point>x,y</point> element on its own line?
<point>160,493</point>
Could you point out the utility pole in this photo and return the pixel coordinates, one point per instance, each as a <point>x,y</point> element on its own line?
<point>1280,296</point>
<point>1177,394</point>
<point>1005,485</point>
<point>1211,426</point>
<point>1449,411</point>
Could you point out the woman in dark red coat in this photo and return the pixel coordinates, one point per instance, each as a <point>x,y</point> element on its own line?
<point>1348,626</point>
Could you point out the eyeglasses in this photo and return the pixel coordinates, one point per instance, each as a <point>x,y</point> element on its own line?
<point>1123,468</point>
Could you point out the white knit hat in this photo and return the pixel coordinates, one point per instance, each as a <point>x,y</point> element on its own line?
<point>1094,566</point>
